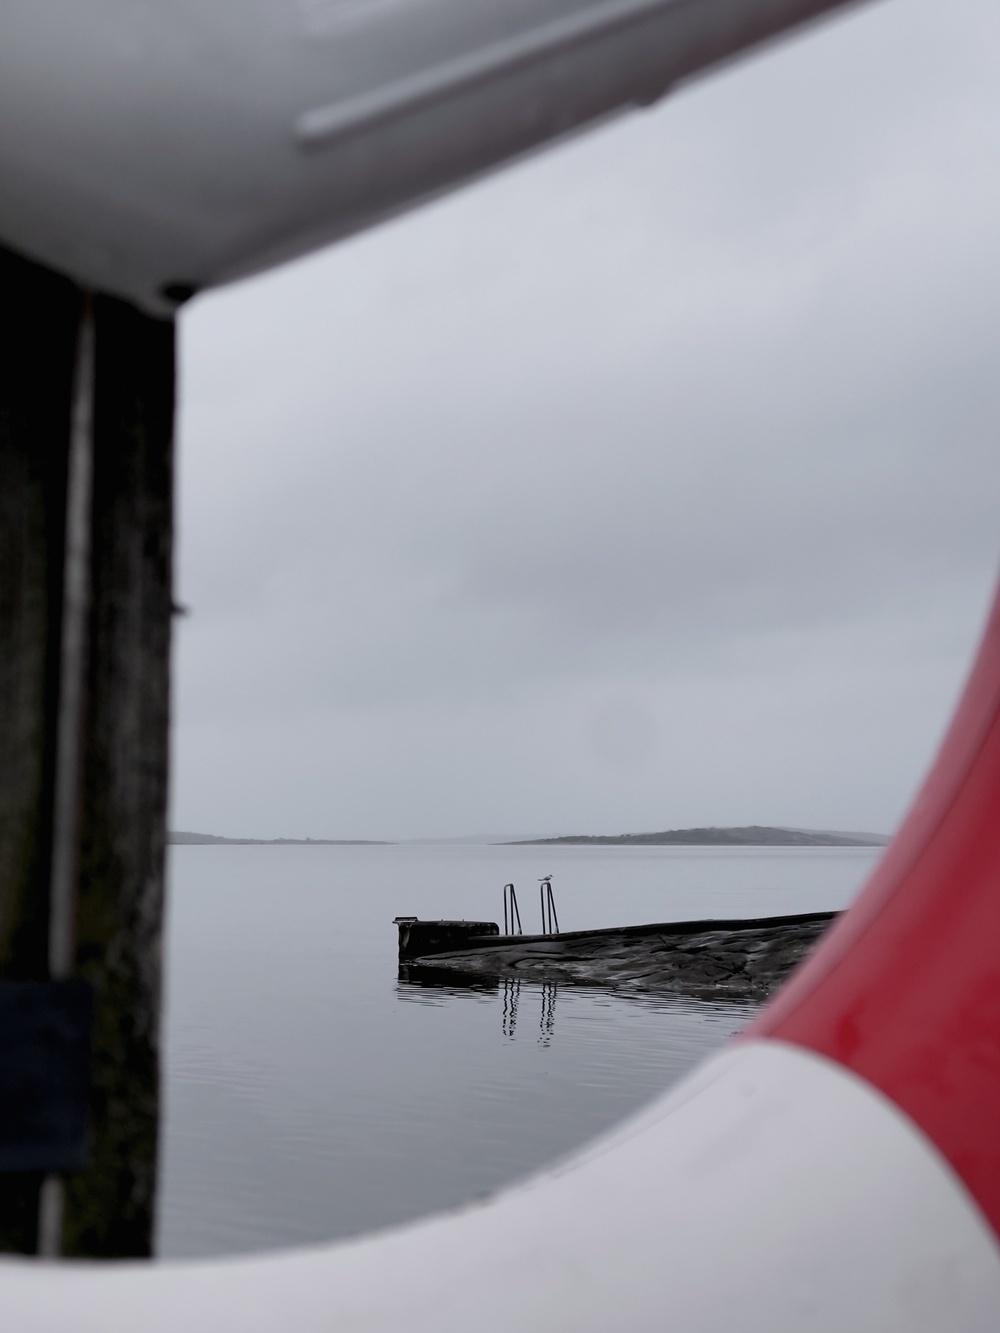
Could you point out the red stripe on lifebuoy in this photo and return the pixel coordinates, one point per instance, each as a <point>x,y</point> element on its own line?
<point>905,991</point>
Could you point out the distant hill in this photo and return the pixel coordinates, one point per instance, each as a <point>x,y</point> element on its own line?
<point>190,839</point>
<point>753,835</point>
<point>861,839</point>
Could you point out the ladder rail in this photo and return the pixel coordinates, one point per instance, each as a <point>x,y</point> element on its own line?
<point>509,896</point>
<point>550,920</point>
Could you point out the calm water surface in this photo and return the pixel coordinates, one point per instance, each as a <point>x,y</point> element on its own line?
<point>310,1094</point>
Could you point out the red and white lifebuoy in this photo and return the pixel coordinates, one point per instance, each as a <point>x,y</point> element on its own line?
<point>905,993</point>
<point>838,1169</point>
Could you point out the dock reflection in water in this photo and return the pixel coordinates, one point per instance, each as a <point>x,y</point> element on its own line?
<point>445,983</point>
<point>547,1014</point>
<point>422,984</point>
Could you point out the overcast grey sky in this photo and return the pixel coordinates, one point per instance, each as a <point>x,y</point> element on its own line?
<point>652,482</point>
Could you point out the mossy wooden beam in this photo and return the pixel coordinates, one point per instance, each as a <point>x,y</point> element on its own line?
<point>39,323</point>
<point>120,750</point>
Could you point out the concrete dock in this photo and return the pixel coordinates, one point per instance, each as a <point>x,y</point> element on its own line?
<point>734,959</point>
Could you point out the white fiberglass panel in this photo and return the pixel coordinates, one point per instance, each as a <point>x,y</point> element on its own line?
<point>152,147</point>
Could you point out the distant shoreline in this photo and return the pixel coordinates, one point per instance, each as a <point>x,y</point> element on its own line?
<point>210,840</point>
<point>753,835</point>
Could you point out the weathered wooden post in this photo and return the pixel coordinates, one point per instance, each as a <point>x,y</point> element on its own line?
<point>86,419</point>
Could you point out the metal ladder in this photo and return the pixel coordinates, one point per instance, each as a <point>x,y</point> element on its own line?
<point>512,916</point>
